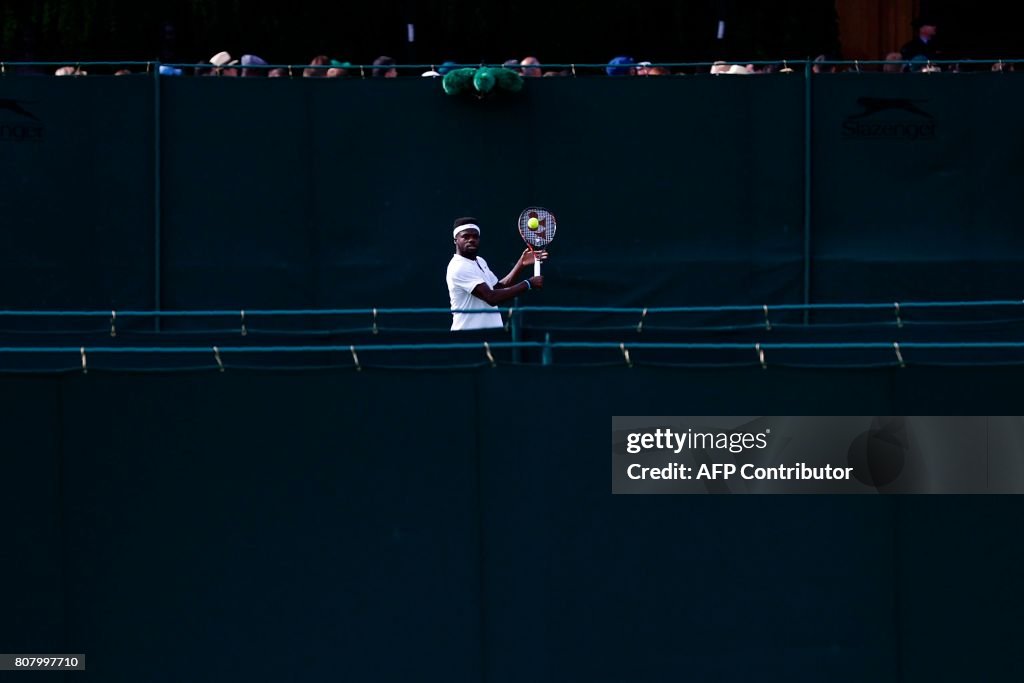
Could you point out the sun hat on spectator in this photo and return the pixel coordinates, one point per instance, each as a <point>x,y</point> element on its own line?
<point>223,59</point>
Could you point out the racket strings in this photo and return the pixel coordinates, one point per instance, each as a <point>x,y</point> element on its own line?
<point>542,235</point>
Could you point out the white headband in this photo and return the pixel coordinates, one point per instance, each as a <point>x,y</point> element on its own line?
<point>467,226</point>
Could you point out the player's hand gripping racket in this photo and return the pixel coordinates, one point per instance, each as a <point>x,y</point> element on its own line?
<point>537,227</point>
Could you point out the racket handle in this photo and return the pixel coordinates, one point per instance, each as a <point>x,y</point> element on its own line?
<point>536,267</point>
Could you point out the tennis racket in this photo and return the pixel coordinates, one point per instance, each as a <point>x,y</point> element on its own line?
<point>538,237</point>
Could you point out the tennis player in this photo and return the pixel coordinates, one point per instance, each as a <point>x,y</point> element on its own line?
<point>472,285</point>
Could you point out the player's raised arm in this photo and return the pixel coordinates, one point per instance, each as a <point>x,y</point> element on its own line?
<point>526,259</point>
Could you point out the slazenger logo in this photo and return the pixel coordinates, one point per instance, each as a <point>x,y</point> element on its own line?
<point>890,118</point>
<point>18,123</point>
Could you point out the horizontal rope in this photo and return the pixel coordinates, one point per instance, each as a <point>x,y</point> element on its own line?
<point>749,308</point>
<point>478,346</point>
<point>564,65</point>
<point>80,63</point>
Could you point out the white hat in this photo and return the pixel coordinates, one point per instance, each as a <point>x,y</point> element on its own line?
<point>467,226</point>
<point>223,59</point>
<point>738,69</point>
<point>430,74</point>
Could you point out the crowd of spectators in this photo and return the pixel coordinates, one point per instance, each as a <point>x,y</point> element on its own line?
<point>922,54</point>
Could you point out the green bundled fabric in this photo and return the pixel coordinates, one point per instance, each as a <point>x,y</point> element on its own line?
<point>483,81</point>
<point>458,81</point>
<point>509,80</point>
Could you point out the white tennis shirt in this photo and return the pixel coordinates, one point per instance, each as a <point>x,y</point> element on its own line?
<point>463,276</point>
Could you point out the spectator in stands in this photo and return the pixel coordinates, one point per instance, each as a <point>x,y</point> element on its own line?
<point>472,285</point>
<point>278,73</point>
<point>69,71</point>
<point>123,72</point>
<point>530,67</point>
<point>820,65</point>
<point>642,67</point>
<point>384,67</point>
<point>658,71</point>
<point>894,63</point>
<point>316,67</point>
<point>338,69</point>
<point>621,66</point>
<point>923,44</point>
<point>223,65</point>
<point>719,68</point>
<point>251,66</point>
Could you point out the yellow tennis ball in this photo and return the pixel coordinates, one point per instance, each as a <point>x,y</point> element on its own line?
<point>533,224</point>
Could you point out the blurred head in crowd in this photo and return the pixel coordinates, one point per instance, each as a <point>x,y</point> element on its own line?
<point>384,67</point>
<point>312,72</point>
<point>531,66</point>
<point>251,66</point>
<point>894,63</point>
<point>621,66</point>
<point>926,30</point>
